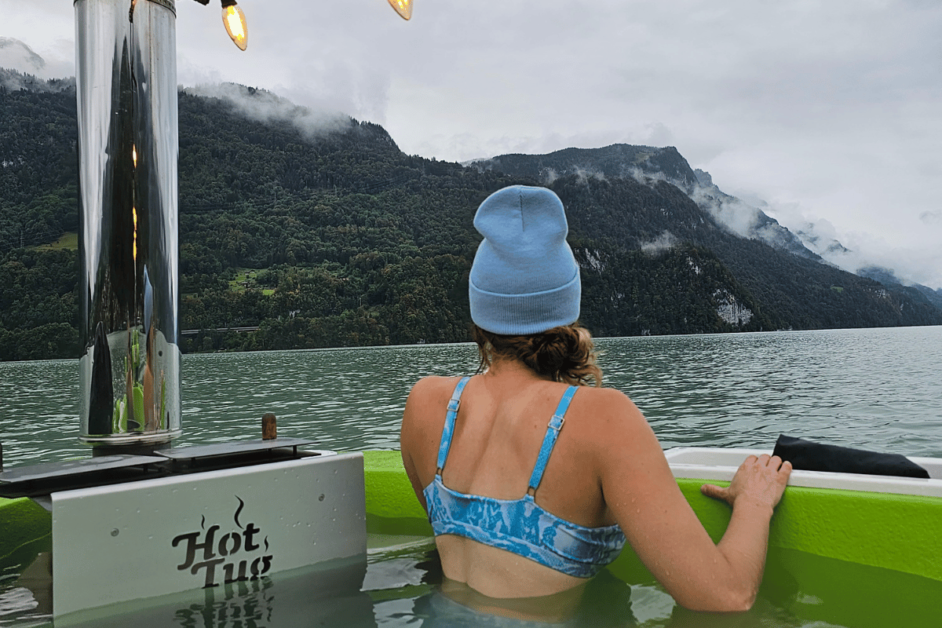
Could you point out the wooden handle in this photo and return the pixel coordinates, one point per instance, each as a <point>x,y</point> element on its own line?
<point>269,427</point>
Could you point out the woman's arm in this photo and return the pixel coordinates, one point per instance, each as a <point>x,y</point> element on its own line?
<point>661,526</point>
<point>417,438</point>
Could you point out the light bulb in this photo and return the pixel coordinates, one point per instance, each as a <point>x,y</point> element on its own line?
<point>402,7</point>
<point>234,19</point>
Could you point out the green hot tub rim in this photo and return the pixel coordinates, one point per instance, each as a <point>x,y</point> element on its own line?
<point>851,526</point>
<point>25,526</point>
<point>889,531</point>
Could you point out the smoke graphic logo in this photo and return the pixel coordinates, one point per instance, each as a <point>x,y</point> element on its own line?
<point>236,556</point>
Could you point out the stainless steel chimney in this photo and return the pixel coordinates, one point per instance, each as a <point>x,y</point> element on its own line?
<point>128,247</point>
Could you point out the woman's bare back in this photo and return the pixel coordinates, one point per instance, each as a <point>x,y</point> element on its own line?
<point>501,424</point>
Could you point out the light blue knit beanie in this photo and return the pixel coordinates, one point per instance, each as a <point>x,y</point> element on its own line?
<point>524,279</point>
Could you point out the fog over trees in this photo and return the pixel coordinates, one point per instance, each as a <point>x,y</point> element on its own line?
<point>332,236</point>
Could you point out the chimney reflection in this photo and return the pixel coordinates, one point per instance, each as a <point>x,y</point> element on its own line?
<point>127,114</point>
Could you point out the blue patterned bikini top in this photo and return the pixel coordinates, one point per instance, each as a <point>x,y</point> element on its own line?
<point>520,525</point>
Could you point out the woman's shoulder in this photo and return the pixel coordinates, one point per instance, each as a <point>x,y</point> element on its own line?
<point>434,385</point>
<point>606,411</point>
<point>429,392</point>
<point>603,399</point>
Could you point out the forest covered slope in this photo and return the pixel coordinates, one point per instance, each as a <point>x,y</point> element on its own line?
<point>331,236</point>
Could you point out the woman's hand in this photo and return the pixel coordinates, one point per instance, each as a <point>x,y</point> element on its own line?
<point>759,481</point>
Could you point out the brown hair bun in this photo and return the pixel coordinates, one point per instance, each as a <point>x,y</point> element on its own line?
<point>564,354</point>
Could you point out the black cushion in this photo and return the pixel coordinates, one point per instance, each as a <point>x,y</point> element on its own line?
<point>809,456</point>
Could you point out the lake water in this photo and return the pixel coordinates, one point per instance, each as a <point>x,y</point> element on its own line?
<point>876,388</point>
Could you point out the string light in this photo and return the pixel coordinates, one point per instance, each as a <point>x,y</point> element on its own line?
<point>402,7</point>
<point>234,20</point>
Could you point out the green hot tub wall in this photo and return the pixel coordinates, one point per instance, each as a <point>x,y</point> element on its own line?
<point>391,505</point>
<point>25,530</point>
<point>897,532</point>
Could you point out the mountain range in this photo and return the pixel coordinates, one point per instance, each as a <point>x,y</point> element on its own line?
<point>319,231</point>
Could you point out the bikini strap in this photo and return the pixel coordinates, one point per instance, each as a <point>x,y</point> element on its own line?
<point>549,440</point>
<point>449,430</point>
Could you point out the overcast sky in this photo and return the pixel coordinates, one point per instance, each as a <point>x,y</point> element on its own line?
<point>828,110</point>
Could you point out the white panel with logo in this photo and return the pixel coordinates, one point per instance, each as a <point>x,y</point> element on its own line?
<point>203,530</point>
